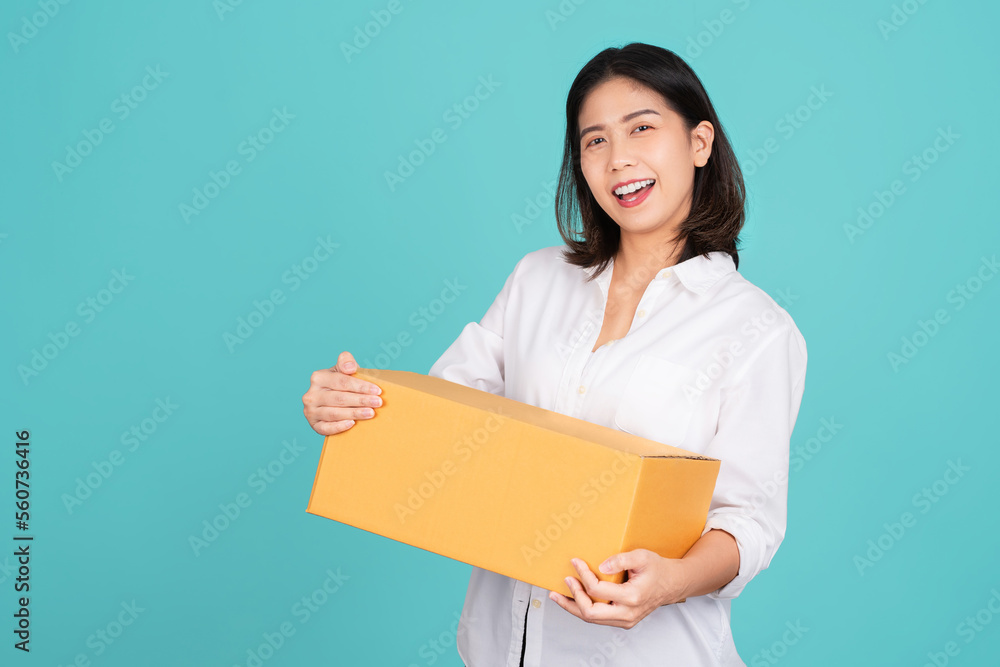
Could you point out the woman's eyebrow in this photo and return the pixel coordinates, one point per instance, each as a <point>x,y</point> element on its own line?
<point>626,118</point>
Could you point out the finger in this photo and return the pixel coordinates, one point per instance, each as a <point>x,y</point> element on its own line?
<point>318,397</point>
<point>332,428</point>
<point>346,363</point>
<point>627,560</point>
<point>595,588</point>
<point>569,604</point>
<point>335,380</point>
<point>355,385</point>
<point>330,414</point>
<point>580,596</point>
<point>597,612</point>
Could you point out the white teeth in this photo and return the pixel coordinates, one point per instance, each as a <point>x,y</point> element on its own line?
<point>632,187</point>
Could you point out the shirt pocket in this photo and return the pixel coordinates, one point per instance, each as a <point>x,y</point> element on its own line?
<point>653,403</point>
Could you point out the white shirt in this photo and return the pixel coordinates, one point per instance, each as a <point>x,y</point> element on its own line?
<point>710,364</point>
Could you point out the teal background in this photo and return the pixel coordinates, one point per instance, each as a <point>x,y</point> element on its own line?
<point>162,337</point>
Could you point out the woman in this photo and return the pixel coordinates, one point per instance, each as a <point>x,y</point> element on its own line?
<point>639,322</point>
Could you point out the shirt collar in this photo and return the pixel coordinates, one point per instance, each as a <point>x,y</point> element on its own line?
<point>697,274</point>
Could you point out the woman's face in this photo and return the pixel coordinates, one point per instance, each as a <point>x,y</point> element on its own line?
<point>629,134</point>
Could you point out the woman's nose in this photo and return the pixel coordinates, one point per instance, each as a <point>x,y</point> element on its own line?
<point>621,156</point>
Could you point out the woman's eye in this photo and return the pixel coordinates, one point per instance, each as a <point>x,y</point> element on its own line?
<point>601,138</point>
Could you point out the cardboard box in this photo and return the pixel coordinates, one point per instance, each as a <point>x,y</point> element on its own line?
<point>507,486</point>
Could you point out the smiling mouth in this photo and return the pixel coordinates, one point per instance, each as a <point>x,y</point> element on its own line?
<point>635,193</point>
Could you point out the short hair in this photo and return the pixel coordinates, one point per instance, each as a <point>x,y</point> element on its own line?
<point>718,199</point>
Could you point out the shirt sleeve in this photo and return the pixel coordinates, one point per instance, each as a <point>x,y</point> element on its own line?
<point>475,358</point>
<point>757,415</point>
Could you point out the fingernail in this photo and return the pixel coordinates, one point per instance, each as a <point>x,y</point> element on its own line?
<point>605,568</point>
<point>569,581</point>
<point>349,366</point>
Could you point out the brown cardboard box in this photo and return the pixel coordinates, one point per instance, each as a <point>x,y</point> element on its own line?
<point>507,486</point>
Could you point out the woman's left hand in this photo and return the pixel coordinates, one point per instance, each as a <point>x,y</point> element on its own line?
<point>653,581</point>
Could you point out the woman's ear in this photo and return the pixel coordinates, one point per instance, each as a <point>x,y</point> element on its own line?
<point>701,142</point>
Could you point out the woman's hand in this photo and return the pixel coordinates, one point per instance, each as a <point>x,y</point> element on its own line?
<point>335,399</point>
<point>712,562</point>
<point>653,581</point>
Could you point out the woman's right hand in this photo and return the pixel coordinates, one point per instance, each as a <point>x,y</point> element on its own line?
<point>335,399</point>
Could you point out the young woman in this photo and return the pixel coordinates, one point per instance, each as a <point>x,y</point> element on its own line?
<point>639,322</point>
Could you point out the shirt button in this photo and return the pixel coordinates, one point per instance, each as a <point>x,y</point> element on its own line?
<point>641,313</point>
<point>582,389</point>
<point>536,603</point>
<point>665,274</point>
